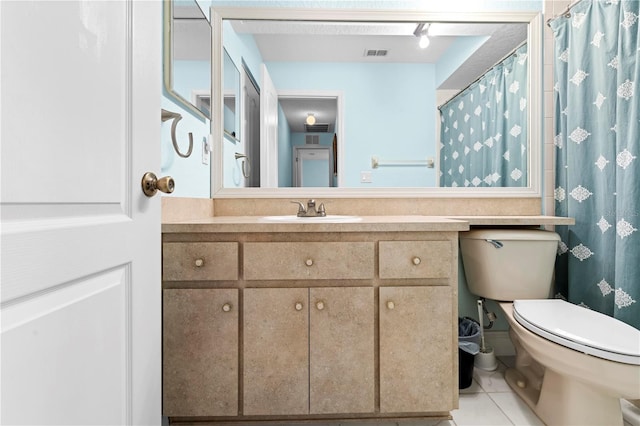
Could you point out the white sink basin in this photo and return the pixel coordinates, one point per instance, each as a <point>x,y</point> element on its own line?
<point>332,218</point>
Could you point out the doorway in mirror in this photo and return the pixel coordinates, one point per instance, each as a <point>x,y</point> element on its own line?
<point>312,167</point>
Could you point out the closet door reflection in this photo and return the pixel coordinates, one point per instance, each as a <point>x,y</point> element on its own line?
<point>251,100</point>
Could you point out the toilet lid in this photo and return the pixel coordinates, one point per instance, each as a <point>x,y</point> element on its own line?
<point>580,328</point>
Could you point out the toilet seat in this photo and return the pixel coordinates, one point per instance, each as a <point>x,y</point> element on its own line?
<point>580,329</point>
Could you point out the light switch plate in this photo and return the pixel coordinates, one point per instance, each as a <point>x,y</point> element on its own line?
<point>365,177</point>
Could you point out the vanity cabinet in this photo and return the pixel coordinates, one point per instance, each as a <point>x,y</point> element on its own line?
<point>310,260</point>
<point>200,352</point>
<point>415,353</point>
<point>276,351</point>
<point>328,364</point>
<point>319,322</point>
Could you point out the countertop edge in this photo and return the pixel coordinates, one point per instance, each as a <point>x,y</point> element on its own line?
<point>409,223</point>
<point>516,220</point>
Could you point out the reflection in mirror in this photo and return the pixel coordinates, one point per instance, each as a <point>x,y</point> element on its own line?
<point>187,56</point>
<point>309,159</point>
<point>231,92</point>
<point>392,89</point>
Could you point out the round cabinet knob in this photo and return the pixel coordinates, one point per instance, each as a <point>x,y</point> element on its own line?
<point>308,262</point>
<point>199,263</point>
<point>416,260</point>
<point>299,306</point>
<point>320,305</point>
<point>390,305</point>
<point>226,307</point>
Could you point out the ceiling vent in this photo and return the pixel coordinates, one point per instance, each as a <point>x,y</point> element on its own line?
<point>375,52</point>
<point>316,128</point>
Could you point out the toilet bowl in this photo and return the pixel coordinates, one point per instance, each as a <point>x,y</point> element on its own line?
<point>572,364</point>
<point>564,385</point>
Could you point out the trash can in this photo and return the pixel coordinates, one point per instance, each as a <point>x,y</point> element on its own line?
<point>468,347</point>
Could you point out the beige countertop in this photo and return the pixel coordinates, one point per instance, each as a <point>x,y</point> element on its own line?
<point>408,223</point>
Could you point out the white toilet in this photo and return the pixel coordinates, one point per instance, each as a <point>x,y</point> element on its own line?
<point>572,364</point>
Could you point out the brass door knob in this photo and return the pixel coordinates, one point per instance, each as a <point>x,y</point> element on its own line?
<point>226,307</point>
<point>391,305</point>
<point>416,260</point>
<point>151,184</point>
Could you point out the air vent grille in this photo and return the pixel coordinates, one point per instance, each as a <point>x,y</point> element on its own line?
<point>312,139</point>
<point>317,128</point>
<point>375,52</point>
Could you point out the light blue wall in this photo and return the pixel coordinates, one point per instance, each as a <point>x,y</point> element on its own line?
<point>325,139</point>
<point>455,55</point>
<point>372,118</point>
<point>190,174</point>
<point>192,177</point>
<point>242,47</point>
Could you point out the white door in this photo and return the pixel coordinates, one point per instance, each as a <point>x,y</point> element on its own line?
<point>80,124</point>
<point>268,131</point>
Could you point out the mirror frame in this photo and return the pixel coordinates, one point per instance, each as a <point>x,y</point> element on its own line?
<point>535,64</point>
<point>167,60</point>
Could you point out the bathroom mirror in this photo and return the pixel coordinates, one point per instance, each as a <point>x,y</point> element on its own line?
<point>231,104</point>
<point>393,149</point>
<point>187,56</point>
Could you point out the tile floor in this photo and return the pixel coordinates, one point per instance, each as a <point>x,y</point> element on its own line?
<point>490,401</point>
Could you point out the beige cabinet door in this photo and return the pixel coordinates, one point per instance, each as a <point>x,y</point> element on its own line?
<point>200,352</point>
<point>341,350</point>
<point>416,338</point>
<point>276,351</point>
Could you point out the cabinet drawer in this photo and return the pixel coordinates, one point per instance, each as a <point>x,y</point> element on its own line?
<point>415,259</point>
<point>313,261</point>
<point>199,261</point>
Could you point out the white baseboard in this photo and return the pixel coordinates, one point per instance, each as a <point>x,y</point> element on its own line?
<point>500,342</point>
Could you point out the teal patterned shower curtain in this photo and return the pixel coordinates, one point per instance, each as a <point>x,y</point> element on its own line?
<point>483,133</point>
<point>597,138</point>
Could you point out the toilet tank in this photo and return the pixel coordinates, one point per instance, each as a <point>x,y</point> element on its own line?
<point>509,264</point>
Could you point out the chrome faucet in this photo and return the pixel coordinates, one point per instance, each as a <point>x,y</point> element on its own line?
<point>310,210</point>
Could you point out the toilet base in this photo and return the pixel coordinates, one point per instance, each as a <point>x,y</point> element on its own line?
<point>578,389</point>
<point>564,401</point>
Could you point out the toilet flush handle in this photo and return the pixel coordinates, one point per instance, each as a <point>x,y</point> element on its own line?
<point>496,244</point>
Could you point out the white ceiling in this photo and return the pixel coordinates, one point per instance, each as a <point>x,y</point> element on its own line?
<point>280,41</point>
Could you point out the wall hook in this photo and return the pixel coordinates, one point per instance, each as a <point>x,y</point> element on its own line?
<point>168,115</point>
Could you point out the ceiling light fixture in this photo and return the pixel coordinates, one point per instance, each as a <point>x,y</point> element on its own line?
<point>421,32</point>
<point>311,119</point>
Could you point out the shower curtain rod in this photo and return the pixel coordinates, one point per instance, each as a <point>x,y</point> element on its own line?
<point>566,13</point>
<point>483,74</point>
